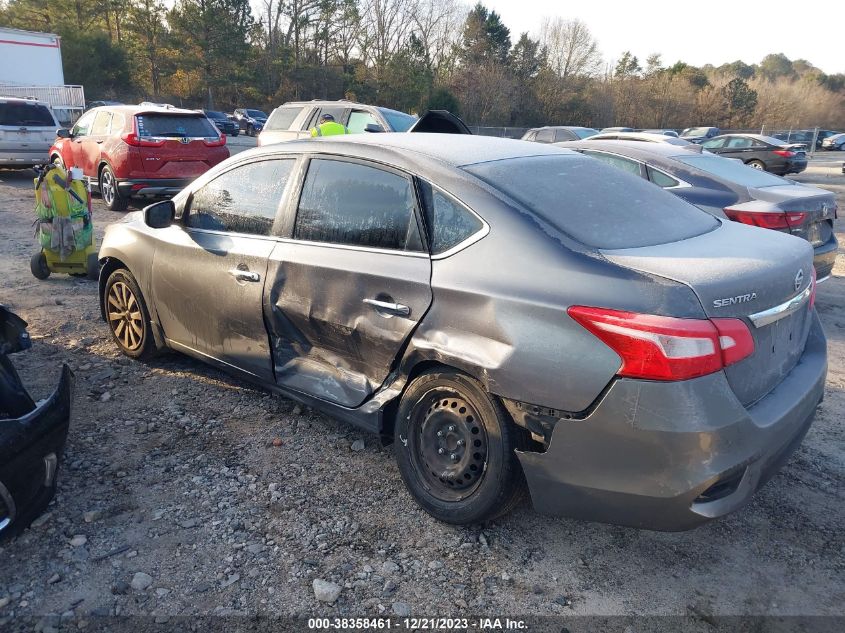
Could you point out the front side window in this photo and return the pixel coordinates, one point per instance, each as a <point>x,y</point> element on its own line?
<point>716,143</point>
<point>242,200</point>
<point>449,222</point>
<point>545,136</point>
<point>84,124</point>
<point>358,121</point>
<point>101,124</point>
<point>564,135</point>
<point>358,205</point>
<point>739,143</point>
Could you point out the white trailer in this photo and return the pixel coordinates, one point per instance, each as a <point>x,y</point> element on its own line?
<point>31,66</point>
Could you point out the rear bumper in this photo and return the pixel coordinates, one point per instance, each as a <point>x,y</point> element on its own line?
<point>671,456</point>
<point>24,157</point>
<point>824,256</point>
<point>152,188</point>
<point>31,448</point>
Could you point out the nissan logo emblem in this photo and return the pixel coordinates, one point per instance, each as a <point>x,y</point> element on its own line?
<point>799,279</point>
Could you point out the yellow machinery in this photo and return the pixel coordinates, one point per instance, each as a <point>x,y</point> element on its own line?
<point>64,226</point>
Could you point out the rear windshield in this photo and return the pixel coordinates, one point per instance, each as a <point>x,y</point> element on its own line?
<point>598,205</point>
<point>281,118</point>
<point>25,114</point>
<point>257,113</point>
<point>697,131</point>
<point>399,121</point>
<point>585,132</point>
<point>175,125</point>
<point>732,170</point>
<point>211,114</point>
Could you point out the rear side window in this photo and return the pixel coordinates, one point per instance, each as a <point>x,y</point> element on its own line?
<point>358,205</point>
<point>449,222</point>
<point>598,205</point>
<point>282,118</point>
<point>661,179</point>
<point>631,166</point>
<point>175,126</point>
<point>25,114</point>
<point>242,200</point>
<point>564,135</point>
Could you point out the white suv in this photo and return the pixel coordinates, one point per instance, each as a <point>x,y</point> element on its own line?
<point>27,130</point>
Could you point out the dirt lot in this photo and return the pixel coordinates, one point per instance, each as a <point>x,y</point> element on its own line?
<point>171,465</point>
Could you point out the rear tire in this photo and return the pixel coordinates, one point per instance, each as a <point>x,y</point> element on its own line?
<point>455,449</point>
<point>756,164</point>
<point>38,266</point>
<point>127,315</point>
<point>109,191</point>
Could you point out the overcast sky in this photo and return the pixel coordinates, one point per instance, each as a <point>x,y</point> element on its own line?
<point>697,32</point>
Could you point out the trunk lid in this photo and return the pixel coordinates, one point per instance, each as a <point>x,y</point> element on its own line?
<point>741,271</point>
<point>818,205</point>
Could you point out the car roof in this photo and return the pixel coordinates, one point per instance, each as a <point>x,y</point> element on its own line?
<point>563,127</point>
<point>634,149</point>
<point>644,136</point>
<point>6,99</point>
<point>404,149</point>
<point>139,109</point>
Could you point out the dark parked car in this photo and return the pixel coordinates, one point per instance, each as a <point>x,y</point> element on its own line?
<point>699,134</point>
<point>558,133</point>
<point>501,309</point>
<point>32,436</point>
<point>295,119</point>
<point>760,152</point>
<point>805,137</point>
<point>835,142</point>
<point>729,189</point>
<point>222,122</point>
<point>139,151</point>
<point>250,121</point>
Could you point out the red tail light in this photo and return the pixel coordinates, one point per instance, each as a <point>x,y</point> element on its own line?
<point>667,348</point>
<point>131,138</point>
<point>784,152</point>
<point>218,142</point>
<point>767,220</point>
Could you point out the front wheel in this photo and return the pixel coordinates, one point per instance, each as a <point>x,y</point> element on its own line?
<point>38,266</point>
<point>127,315</point>
<point>250,131</point>
<point>455,449</point>
<point>109,191</point>
<point>756,164</point>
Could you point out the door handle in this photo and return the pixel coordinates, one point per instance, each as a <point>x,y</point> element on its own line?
<point>388,309</point>
<point>244,275</point>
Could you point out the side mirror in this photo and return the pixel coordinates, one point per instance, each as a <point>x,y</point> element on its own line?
<point>373,127</point>
<point>63,133</point>
<point>160,215</point>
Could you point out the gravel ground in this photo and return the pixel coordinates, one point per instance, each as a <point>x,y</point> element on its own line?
<point>174,498</point>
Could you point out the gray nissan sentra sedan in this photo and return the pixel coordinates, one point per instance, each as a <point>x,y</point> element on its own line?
<point>509,313</point>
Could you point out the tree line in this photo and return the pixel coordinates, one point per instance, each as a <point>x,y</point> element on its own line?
<point>411,55</point>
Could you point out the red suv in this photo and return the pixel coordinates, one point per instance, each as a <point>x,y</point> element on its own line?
<point>138,151</point>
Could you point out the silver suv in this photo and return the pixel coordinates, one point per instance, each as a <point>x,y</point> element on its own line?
<point>27,130</point>
<point>295,119</point>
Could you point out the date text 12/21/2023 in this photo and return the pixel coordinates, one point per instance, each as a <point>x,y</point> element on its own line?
<point>416,624</point>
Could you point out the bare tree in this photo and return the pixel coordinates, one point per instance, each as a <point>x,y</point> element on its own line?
<point>571,50</point>
<point>386,27</point>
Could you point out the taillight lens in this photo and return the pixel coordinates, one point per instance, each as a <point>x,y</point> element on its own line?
<point>767,220</point>
<point>218,142</point>
<point>667,348</point>
<point>784,152</point>
<point>131,138</point>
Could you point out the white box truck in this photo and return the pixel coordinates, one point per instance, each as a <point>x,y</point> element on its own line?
<point>31,66</point>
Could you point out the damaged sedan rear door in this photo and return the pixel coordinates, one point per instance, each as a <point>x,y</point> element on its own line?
<point>350,283</point>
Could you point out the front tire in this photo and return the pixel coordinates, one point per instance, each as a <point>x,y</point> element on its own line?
<point>127,315</point>
<point>109,191</point>
<point>38,266</point>
<point>455,448</point>
<point>756,164</point>
<point>250,131</point>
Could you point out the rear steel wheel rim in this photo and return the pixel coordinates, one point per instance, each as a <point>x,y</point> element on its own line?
<point>124,315</point>
<point>108,187</point>
<point>450,447</point>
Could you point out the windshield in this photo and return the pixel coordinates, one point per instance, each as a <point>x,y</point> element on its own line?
<point>176,126</point>
<point>697,131</point>
<point>598,205</point>
<point>732,170</point>
<point>256,113</point>
<point>399,121</point>
<point>23,114</point>
<point>585,132</point>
